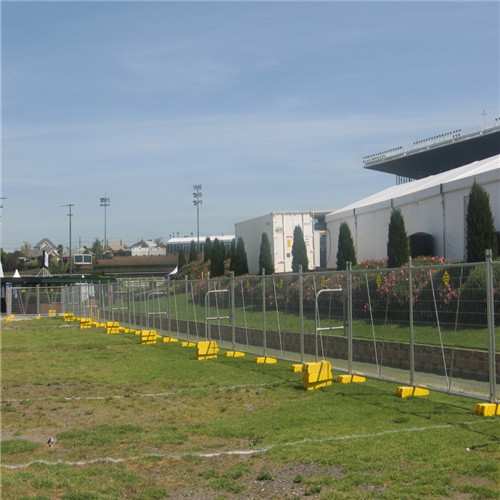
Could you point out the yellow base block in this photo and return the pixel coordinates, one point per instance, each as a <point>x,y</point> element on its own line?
<point>206,349</point>
<point>316,375</point>
<point>487,409</point>
<point>407,391</point>
<point>188,344</point>
<point>350,379</point>
<point>297,368</point>
<point>170,339</point>
<point>265,359</point>
<point>234,354</point>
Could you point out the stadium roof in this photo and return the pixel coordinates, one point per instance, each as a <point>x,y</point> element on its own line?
<point>438,154</point>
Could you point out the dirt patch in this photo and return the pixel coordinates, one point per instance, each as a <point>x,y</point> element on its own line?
<point>258,478</point>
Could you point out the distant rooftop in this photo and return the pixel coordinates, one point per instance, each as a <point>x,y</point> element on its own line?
<point>439,153</point>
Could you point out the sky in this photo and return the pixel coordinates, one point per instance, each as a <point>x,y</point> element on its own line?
<point>270,106</point>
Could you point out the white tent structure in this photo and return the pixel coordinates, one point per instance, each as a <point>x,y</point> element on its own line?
<point>436,205</point>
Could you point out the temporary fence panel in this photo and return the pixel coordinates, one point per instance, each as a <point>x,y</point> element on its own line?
<point>422,325</point>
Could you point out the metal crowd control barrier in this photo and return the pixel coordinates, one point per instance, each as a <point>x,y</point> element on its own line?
<point>208,318</point>
<point>432,324</point>
<point>319,328</point>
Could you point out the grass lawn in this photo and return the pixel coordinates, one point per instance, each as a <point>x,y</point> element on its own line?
<point>150,421</point>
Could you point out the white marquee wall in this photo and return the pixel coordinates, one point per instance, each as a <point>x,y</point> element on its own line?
<point>434,205</point>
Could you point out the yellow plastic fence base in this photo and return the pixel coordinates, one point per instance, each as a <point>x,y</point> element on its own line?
<point>188,344</point>
<point>407,391</point>
<point>170,339</point>
<point>69,317</point>
<point>316,375</point>
<point>148,336</point>
<point>85,323</point>
<point>487,409</point>
<point>112,327</point>
<point>265,359</point>
<point>235,354</point>
<point>350,379</point>
<point>206,349</point>
<point>297,368</point>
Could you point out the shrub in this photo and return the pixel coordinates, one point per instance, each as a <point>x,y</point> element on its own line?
<point>345,248</point>
<point>265,258</point>
<point>398,251</point>
<point>299,251</point>
<point>481,234</point>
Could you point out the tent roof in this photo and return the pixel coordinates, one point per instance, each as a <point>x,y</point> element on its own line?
<point>473,169</point>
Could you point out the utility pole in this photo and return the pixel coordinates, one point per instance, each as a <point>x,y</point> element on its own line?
<point>69,205</point>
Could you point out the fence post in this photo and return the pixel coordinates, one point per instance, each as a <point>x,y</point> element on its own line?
<point>412,338</point>
<point>169,324</point>
<point>38,299</point>
<point>264,323</point>
<point>63,299</point>
<point>186,288</point>
<point>128,304</point>
<point>301,314</point>
<point>491,324</point>
<point>233,313</point>
<point>349,317</point>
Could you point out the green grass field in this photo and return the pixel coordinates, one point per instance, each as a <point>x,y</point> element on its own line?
<point>150,421</point>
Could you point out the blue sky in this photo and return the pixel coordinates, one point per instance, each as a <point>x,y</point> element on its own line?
<point>270,106</point>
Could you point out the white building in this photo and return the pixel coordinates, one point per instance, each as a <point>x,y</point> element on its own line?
<point>279,227</point>
<point>436,205</point>
<point>174,245</point>
<point>146,248</point>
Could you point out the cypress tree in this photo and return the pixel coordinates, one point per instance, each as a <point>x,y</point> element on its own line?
<point>208,249</point>
<point>233,264</point>
<point>398,250</point>
<point>265,258</point>
<point>193,251</point>
<point>345,248</point>
<point>181,259</point>
<point>241,258</point>
<point>299,251</point>
<point>481,234</point>
<point>217,257</point>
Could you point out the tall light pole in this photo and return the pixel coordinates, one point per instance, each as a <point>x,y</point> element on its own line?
<point>197,202</point>
<point>69,205</point>
<point>105,201</point>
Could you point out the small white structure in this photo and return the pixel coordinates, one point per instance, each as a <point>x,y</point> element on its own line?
<point>279,227</point>
<point>146,248</point>
<point>436,205</point>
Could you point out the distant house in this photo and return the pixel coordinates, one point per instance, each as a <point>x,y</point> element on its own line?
<point>146,248</point>
<point>44,245</point>
<point>116,248</point>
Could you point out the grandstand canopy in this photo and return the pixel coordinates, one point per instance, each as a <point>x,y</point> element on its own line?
<point>438,154</point>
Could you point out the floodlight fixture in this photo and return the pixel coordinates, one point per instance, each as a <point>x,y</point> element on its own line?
<point>197,201</point>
